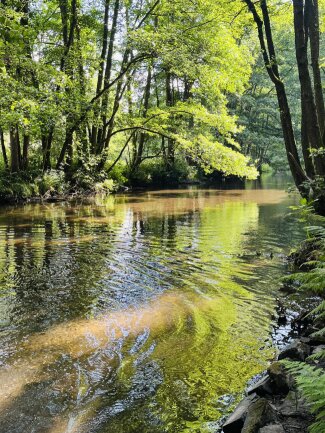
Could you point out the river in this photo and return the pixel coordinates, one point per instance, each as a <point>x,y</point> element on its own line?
<point>142,313</point>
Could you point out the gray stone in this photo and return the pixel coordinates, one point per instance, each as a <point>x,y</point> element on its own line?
<point>260,413</point>
<point>272,428</point>
<point>262,387</point>
<point>318,349</point>
<point>280,379</point>
<point>294,405</point>
<point>235,422</point>
<point>297,351</point>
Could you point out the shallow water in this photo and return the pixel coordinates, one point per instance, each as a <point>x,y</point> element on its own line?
<point>138,313</point>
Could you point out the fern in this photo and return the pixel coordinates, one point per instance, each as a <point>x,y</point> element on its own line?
<point>311,382</point>
<point>312,281</point>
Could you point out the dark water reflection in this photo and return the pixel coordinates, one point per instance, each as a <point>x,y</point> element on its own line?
<point>143,313</point>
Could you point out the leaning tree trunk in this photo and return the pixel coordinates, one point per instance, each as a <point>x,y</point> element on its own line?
<point>270,61</point>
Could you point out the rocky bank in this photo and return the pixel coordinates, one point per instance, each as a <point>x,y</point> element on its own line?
<point>273,403</point>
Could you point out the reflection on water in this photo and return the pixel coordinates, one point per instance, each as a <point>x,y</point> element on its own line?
<point>144,313</point>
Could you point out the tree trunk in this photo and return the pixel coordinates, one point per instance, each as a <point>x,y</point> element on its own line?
<point>313,27</point>
<point>170,154</point>
<point>142,136</point>
<point>3,148</point>
<point>307,97</point>
<point>26,141</point>
<point>271,65</point>
<point>306,150</point>
<point>100,77</point>
<point>46,147</point>
<point>108,71</point>
<point>14,150</point>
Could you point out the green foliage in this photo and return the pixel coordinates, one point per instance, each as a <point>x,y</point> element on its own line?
<point>105,187</point>
<point>55,88</point>
<point>311,382</point>
<point>118,173</point>
<point>157,173</point>
<point>27,185</point>
<point>52,182</point>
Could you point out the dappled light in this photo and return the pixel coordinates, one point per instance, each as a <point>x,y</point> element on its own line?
<point>135,312</point>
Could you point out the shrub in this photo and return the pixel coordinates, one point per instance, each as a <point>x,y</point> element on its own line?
<point>106,186</point>
<point>158,173</point>
<point>52,182</point>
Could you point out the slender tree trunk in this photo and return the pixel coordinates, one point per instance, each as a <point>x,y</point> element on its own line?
<point>26,141</point>
<point>142,135</point>
<point>100,77</point>
<point>3,148</point>
<point>313,27</point>
<point>69,22</point>
<point>125,68</point>
<point>120,89</point>
<point>271,65</point>
<point>14,150</point>
<point>108,70</point>
<point>170,154</point>
<point>46,147</point>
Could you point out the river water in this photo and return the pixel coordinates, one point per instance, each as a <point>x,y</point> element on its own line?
<point>143,313</point>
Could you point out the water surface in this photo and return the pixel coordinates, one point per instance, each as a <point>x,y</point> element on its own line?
<point>137,313</point>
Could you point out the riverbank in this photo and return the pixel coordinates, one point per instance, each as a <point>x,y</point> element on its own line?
<point>273,402</point>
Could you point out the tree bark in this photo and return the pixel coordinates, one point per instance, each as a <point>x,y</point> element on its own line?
<point>14,150</point>
<point>271,65</point>
<point>313,28</point>
<point>46,147</point>
<point>306,150</point>
<point>170,153</point>
<point>26,142</point>
<point>307,97</point>
<point>142,136</point>
<point>108,70</point>
<point>3,148</point>
<point>100,77</point>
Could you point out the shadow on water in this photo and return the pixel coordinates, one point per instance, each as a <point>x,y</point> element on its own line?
<point>137,313</point>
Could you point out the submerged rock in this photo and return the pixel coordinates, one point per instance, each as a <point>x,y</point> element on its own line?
<point>297,351</point>
<point>260,413</point>
<point>236,421</point>
<point>288,288</point>
<point>272,428</point>
<point>302,321</point>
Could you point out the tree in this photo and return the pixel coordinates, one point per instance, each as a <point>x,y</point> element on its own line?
<point>306,28</point>
<point>93,86</point>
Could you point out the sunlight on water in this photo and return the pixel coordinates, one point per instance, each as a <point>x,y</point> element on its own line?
<point>137,313</point>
